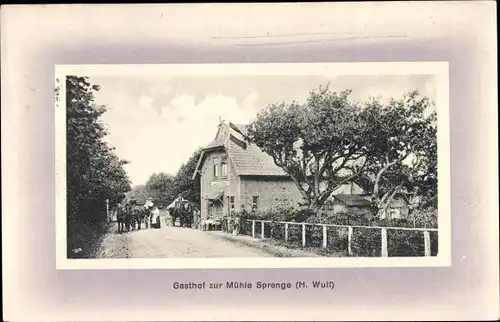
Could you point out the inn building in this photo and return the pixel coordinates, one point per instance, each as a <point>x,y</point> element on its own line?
<point>236,174</point>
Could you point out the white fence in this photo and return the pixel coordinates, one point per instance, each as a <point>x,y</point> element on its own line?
<point>384,251</point>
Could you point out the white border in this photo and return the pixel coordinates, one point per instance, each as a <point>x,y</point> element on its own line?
<point>439,69</point>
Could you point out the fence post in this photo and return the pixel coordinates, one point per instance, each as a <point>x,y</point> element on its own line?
<point>262,229</point>
<point>384,243</point>
<point>349,240</point>
<point>303,235</point>
<point>286,232</point>
<point>427,243</point>
<point>253,228</point>
<point>325,237</point>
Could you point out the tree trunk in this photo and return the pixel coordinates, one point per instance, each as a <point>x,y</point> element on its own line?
<point>385,203</point>
<point>376,185</point>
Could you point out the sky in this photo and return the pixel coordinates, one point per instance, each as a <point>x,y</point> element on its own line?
<point>156,123</point>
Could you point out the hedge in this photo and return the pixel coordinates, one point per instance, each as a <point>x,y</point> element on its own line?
<point>366,242</point>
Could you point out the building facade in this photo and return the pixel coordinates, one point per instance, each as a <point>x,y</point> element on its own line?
<point>236,175</point>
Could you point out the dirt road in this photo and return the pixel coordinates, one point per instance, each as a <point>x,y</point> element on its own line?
<point>169,242</point>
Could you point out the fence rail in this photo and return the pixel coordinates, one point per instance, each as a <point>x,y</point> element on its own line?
<point>258,230</point>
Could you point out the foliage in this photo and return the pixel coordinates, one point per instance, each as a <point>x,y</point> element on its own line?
<point>401,150</point>
<point>366,241</point>
<point>163,188</point>
<point>185,186</point>
<point>405,243</point>
<point>318,144</point>
<point>160,187</point>
<point>426,218</point>
<point>86,236</point>
<point>330,140</point>
<point>94,172</point>
<point>138,193</point>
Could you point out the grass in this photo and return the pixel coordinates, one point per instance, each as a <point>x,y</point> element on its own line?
<point>315,250</point>
<point>85,237</point>
<point>277,250</point>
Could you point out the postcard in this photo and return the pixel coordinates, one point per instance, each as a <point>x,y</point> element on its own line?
<point>253,165</point>
<point>257,162</point>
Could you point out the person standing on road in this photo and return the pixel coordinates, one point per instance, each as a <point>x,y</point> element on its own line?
<point>156,217</point>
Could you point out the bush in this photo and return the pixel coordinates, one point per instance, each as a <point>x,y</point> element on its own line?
<point>434,243</point>
<point>346,219</point>
<point>405,243</point>
<point>426,218</point>
<point>295,235</point>
<point>245,227</point>
<point>314,236</point>
<point>337,240</point>
<point>366,242</point>
<point>277,230</point>
<point>84,236</point>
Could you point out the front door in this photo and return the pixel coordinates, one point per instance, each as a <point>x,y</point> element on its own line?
<point>217,209</point>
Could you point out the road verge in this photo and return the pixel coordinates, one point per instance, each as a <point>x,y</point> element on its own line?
<point>276,250</point>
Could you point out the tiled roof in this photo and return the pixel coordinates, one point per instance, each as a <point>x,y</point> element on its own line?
<point>248,159</point>
<point>216,195</point>
<point>251,160</point>
<point>353,200</point>
<point>216,143</point>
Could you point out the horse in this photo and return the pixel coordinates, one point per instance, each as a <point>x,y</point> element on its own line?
<point>146,217</point>
<point>134,215</point>
<point>120,218</point>
<point>128,218</point>
<point>140,215</point>
<point>184,210</point>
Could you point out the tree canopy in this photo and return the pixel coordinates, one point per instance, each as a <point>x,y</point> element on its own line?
<point>401,148</point>
<point>164,187</point>
<point>94,172</point>
<point>185,186</point>
<point>318,144</point>
<point>161,188</point>
<point>330,140</point>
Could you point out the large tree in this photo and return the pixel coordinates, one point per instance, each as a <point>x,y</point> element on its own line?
<point>138,193</point>
<point>401,149</point>
<point>184,184</point>
<point>94,172</point>
<point>319,144</point>
<point>164,187</point>
<point>161,188</point>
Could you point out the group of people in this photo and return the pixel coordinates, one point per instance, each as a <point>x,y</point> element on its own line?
<point>131,216</point>
<point>154,213</point>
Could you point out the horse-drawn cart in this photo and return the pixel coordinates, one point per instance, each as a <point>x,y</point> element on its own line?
<point>131,216</point>
<point>182,210</point>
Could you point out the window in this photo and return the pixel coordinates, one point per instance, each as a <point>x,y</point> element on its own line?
<point>216,170</point>
<point>224,169</point>
<point>255,203</point>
